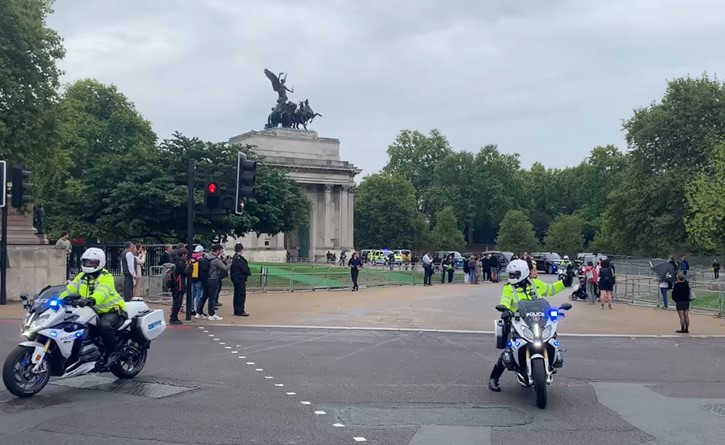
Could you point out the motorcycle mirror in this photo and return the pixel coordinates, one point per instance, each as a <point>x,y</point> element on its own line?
<point>565,306</point>
<point>24,297</point>
<point>501,308</point>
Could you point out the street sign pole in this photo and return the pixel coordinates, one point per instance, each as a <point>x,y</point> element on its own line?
<point>189,232</point>
<point>4,234</point>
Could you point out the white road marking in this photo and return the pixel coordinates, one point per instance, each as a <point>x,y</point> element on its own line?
<point>320,413</point>
<point>211,335</point>
<point>359,439</point>
<point>250,363</point>
<point>227,347</point>
<point>242,356</point>
<point>235,352</point>
<point>291,393</point>
<point>268,377</point>
<point>461,331</point>
<point>279,385</point>
<point>259,369</point>
<point>216,339</point>
<point>201,327</point>
<point>304,402</point>
<point>338,425</point>
<point>222,343</point>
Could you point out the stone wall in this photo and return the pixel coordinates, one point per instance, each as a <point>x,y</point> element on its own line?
<point>30,268</point>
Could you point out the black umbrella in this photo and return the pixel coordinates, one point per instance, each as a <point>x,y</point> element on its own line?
<point>663,268</point>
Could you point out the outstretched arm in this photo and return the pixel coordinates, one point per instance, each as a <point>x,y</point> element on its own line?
<point>547,290</point>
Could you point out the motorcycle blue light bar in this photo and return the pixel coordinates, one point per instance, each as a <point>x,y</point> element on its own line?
<point>53,303</point>
<point>553,314</point>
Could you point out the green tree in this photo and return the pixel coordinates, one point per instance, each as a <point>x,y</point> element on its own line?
<point>516,233</point>
<point>121,186</point>
<point>386,212</point>
<point>29,76</point>
<point>671,142</point>
<point>706,202</point>
<point>414,156</point>
<point>445,234</point>
<point>565,235</point>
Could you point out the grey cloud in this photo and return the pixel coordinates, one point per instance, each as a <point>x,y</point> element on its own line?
<point>547,79</point>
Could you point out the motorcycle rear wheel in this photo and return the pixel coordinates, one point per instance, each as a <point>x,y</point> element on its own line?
<point>18,369</point>
<point>131,367</point>
<point>538,372</point>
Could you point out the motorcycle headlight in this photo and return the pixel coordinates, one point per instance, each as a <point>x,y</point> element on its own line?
<point>546,335</point>
<point>526,333</point>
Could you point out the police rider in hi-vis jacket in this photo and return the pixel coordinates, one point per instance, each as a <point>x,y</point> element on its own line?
<point>97,285</point>
<point>519,287</point>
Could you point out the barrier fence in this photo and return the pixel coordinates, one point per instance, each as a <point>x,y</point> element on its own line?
<point>645,289</point>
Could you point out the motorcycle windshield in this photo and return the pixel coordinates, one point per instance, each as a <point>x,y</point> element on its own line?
<point>534,313</point>
<point>43,301</point>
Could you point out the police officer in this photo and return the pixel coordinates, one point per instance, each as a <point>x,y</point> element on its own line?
<point>239,272</point>
<point>97,286</point>
<point>519,287</point>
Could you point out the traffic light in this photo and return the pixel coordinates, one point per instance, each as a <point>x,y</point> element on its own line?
<point>212,195</point>
<point>246,177</point>
<point>20,195</point>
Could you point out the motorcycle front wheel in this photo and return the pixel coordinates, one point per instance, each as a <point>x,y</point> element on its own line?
<point>18,375</point>
<point>538,372</point>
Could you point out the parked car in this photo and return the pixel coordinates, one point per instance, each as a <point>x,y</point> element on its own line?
<point>403,254</point>
<point>504,258</point>
<point>547,262</point>
<point>457,258</point>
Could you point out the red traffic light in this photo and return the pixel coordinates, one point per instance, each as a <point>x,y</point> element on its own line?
<point>212,188</point>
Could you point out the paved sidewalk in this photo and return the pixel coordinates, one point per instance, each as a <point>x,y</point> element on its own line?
<point>444,307</point>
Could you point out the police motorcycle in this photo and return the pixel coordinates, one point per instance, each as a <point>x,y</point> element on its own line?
<point>567,273</point>
<point>62,340</point>
<point>531,347</point>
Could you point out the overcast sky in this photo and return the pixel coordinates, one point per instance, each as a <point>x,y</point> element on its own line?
<point>548,79</point>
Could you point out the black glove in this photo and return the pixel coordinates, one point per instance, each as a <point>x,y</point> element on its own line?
<point>505,315</point>
<point>87,302</point>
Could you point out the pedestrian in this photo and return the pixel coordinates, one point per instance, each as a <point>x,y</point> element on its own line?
<point>451,268</point>
<point>684,266</point>
<point>681,296</point>
<point>240,273</point>
<point>210,269</point>
<point>606,283</point>
<point>665,285</point>
<point>197,287</point>
<point>355,264</point>
<point>445,264</point>
<point>129,270</point>
<point>716,268</point>
<point>140,259</point>
<point>166,256</point>
<point>590,273</point>
<point>427,269</point>
<point>177,286</point>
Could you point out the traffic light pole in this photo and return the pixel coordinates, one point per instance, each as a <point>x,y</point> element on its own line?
<point>4,258</point>
<point>189,232</point>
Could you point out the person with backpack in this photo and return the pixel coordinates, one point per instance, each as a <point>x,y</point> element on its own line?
<point>606,283</point>
<point>197,287</point>
<point>211,268</point>
<point>176,284</point>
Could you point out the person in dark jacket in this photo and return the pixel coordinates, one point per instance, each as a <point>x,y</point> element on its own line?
<point>217,270</point>
<point>178,285</point>
<point>239,272</point>
<point>165,256</point>
<point>681,296</point>
<point>355,265</point>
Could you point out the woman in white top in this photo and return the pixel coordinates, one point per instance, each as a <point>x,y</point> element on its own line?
<point>140,261</point>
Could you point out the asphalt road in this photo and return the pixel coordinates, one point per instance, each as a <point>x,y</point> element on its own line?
<point>395,388</point>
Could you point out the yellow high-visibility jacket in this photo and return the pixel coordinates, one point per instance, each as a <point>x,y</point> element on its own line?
<point>511,295</point>
<point>101,288</point>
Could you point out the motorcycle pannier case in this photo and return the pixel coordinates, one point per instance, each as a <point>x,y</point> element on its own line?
<point>151,324</point>
<point>498,329</point>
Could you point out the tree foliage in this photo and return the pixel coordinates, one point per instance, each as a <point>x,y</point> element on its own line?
<point>706,201</point>
<point>120,185</point>
<point>386,213</point>
<point>565,235</point>
<point>29,76</point>
<point>516,233</point>
<point>446,235</point>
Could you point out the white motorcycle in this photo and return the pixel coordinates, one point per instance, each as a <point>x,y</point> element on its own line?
<point>62,340</point>
<point>532,350</point>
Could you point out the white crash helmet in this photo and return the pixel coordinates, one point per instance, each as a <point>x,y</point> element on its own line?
<point>518,271</point>
<point>93,260</point>
<point>566,257</point>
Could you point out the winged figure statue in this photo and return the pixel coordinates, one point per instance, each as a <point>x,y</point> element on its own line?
<point>278,85</point>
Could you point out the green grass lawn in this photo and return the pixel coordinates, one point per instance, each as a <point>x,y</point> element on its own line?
<point>706,300</point>
<point>284,276</point>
